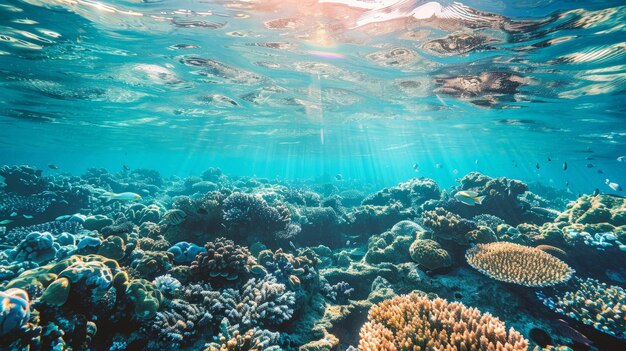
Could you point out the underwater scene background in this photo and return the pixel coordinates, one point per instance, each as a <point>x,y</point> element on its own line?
<point>312,175</point>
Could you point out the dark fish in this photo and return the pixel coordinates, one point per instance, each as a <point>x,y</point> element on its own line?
<point>567,183</point>
<point>202,211</point>
<point>589,165</point>
<point>125,167</point>
<point>515,165</point>
<point>339,177</point>
<point>596,192</point>
<point>53,166</point>
<point>416,167</point>
<point>563,328</point>
<point>537,165</point>
<point>600,171</point>
<point>549,159</point>
<point>565,166</point>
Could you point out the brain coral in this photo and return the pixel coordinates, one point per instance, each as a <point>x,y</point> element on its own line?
<point>518,264</point>
<point>415,322</point>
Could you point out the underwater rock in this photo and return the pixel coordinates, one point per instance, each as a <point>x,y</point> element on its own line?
<point>392,246</point>
<point>36,247</point>
<point>400,321</point>
<point>412,193</point>
<point>14,310</point>
<point>23,180</point>
<point>97,222</point>
<point>501,199</point>
<point>595,214</point>
<point>448,226</point>
<point>368,219</point>
<point>184,252</point>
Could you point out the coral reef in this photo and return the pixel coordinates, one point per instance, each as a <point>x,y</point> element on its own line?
<point>518,264</point>
<point>591,302</point>
<point>222,262</point>
<point>415,322</point>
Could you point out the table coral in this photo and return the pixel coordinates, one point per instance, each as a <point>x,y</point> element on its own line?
<point>518,264</point>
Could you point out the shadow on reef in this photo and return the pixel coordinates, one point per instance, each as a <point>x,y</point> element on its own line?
<point>135,261</point>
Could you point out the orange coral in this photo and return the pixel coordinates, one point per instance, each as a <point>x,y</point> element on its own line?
<point>518,264</point>
<point>414,323</point>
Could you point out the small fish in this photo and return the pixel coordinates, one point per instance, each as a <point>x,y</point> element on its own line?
<point>470,198</point>
<point>174,217</point>
<point>455,171</point>
<point>549,159</point>
<point>339,177</point>
<point>458,180</point>
<point>588,158</point>
<point>14,214</point>
<point>589,165</point>
<point>347,242</point>
<point>53,166</point>
<point>565,166</point>
<point>125,167</point>
<point>6,221</point>
<point>600,171</point>
<point>416,167</point>
<point>438,165</point>
<point>621,159</point>
<point>596,192</point>
<point>515,165</point>
<point>127,196</point>
<point>476,162</point>
<point>202,211</point>
<point>567,183</point>
<point>612,185</point>
<point>537,165</point>
<point>615,186</point>
<point>27,216</point>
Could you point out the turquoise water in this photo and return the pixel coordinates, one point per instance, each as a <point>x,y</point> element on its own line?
<point>92,83</point>
<point>367,144</point>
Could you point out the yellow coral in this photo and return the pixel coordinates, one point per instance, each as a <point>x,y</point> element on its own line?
<point>518,264</point>
<point>414,322</point>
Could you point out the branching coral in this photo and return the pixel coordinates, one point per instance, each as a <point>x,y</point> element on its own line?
<point>232,339</point>
<point>415,322</point>
<point>518,264</point>
<point>594,303</point>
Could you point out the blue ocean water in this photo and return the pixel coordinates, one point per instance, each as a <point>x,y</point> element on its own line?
<point>331,156</point>
<point>182,85</point>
